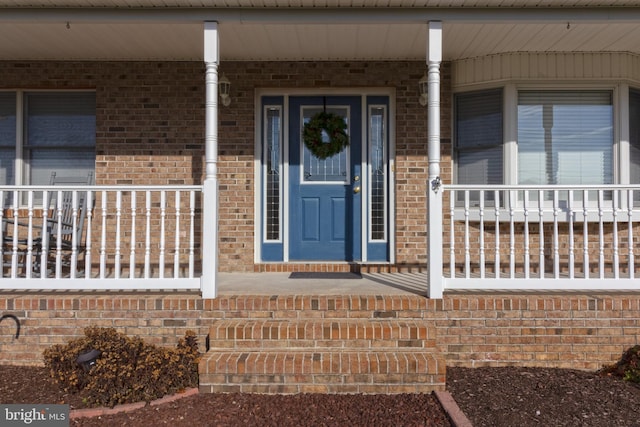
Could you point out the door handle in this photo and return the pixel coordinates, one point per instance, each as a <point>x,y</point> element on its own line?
<point>356,189</point>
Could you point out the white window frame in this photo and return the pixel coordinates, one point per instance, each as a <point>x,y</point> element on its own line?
<point>20,168</point>
<point>620,95</point>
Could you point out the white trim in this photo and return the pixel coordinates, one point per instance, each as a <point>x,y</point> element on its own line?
<point>392,177</point>
<point>535,284</point>
<point>286,201</point>
<point>620,105</point>
<point>257,172</point>
<point>364,183</point>
<point>367,167</point>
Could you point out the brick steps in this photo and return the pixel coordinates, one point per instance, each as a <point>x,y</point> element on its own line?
<point>297,370</point>
<point>321,348</point>
<point>344,333</point>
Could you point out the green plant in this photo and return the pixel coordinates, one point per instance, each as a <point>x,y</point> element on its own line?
<point>128,370</point>
<point>628,367</point>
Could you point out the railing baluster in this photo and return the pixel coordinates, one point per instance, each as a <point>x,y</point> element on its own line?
<point>118,224</point>
<point>163,213</point>
<point>630,243</point>
<point>525,205</point>
<point>176,253</point>
<point>192,223</point>
<point>541,231</point>
<point>74,235</point>
<point>600,235</point>
<point>482,234</point>
<point>452,236</point>
<point>512,235</point>
<point>132,250</point>
<point>147,240</point>
<point>103,237</point>
<point>14,253</point>
<point>467,256</point>
<point>89,238</point>
<point>616,244</point>
<point>28,261</point>
<point>572,256</point>
<point>58,249</point>
<point>556,250</point>
<point>585,232</point>
<point>496,202</point>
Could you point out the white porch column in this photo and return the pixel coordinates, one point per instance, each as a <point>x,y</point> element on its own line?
<point>210,190</point>
<point>434,198</point>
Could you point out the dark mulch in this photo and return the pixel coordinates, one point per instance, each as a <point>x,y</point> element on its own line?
<point>519,397</point>
<point>543,397</point>
<point>32,385</point>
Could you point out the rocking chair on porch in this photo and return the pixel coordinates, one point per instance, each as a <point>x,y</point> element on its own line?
<point>59,232</point>
<point>62,241</point>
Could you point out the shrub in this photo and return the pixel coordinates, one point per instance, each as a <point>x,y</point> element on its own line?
<point>128,370</point>
<point>628,367</point>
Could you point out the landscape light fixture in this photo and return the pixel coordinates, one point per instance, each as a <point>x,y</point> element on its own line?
<point>88,359</point>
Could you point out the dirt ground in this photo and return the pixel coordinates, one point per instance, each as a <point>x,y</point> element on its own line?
<point>488,397</point>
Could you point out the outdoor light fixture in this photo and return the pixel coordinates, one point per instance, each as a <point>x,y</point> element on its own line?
<point>88,359</point>
<point>224,87</point>
<point>423,86</point>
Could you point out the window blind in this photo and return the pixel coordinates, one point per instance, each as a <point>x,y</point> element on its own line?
<point>7,137</point>
<point>565,137</point>
<point>478,137</point>
<point>59,135</point>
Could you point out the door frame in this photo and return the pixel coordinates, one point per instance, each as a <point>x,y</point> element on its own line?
<point>285,93</point>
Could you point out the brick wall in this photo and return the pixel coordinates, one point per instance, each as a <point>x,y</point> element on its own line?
<point>150,130</point>
<point>569,331</point>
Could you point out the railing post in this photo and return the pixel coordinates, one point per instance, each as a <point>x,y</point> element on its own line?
<point>434,190</point>
<point>210,187</point>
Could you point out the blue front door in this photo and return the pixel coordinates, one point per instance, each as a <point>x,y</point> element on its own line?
<point>325,198</point>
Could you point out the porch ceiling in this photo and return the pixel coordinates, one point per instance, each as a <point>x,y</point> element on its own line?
<point>58,29</point>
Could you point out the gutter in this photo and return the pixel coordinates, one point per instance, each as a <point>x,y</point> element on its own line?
<point>322,15</point>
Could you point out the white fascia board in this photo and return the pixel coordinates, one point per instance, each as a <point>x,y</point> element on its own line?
<point>373,15</point>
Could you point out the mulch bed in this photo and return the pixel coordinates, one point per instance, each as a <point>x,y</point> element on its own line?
<point>488,397</point>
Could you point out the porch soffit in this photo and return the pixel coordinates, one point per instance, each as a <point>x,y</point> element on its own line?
<point>173,30</point>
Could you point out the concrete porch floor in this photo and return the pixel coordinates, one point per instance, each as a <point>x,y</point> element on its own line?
<point>282,284</point>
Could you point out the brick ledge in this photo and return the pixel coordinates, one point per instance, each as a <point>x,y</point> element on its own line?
<point>96,412</point>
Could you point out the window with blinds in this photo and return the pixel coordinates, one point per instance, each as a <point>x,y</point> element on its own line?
<point>59,135</point>
<point>7,137</point>
<point>478,137</point>
<point>565,137</point>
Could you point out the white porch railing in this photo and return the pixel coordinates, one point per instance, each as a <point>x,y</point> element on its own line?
<point>523,238</point>
<point>123,237</point>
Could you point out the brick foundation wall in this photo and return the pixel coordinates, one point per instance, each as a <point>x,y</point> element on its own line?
<point>565,331</point>
<point>568,331</point>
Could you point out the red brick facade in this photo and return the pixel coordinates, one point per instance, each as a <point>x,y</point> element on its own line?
<point>150,130</point>
<point>569,331</point>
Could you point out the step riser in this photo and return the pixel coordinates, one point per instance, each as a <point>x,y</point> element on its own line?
<point>303,363</point>
<point>362,334</point>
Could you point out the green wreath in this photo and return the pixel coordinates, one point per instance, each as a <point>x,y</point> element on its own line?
<point>335,128</point>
